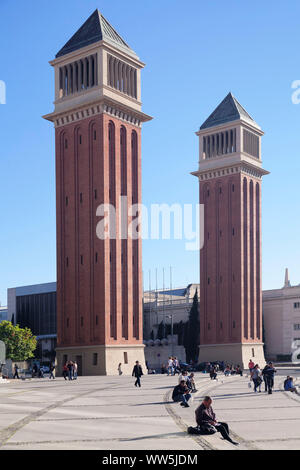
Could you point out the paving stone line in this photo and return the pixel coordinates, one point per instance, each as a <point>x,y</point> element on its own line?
<point>8,432</point>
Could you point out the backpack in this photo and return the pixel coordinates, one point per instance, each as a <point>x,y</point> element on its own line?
<point>193,430</point>
<point>204,429</point>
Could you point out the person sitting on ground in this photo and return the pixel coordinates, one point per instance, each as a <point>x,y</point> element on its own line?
<point>213,372</point>
<point>207,422</point>
<point>183,376</point>
<point>289,385</point>
<point>227,371</point>
<point>191,382</point>
<point>238,370</point>
<point>181,394</point>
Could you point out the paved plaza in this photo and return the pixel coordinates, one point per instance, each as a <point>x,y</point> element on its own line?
<point>110,413</point>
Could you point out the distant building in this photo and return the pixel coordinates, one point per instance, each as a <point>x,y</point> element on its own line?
<point>160,304</point>
<point>162,310</point>
<point>3,314</point>
<point>281,313</point>
<point>35,307</point>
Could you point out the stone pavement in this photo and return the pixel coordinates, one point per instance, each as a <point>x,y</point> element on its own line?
<point>110,413</point>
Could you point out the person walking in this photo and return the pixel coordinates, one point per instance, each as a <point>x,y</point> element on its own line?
<point>70,369</point>
<point>264,376</point>
<point>206,420</point>
<point>16,372</point>
<point>65,371</point>
<point>137,373</point>
<point>270,371</point>
<point>119,369</point>
<point>52,369</point>
<point>251,366</point>
<point>75,370</point>
<point>170,366</point>
<point>256,377</point>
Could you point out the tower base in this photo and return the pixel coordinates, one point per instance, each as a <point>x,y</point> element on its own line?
<point>101,360</point>
<point>233,353</point>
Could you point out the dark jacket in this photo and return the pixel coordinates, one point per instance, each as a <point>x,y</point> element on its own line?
<point>204,415</point>
<point>178,391</point>
<point>269,372</point>
<point>137,371</point>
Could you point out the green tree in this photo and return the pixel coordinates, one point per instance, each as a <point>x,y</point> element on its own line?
<point>192,337</point>
<point>20,342</point>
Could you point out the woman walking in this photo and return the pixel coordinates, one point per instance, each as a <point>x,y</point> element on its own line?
<point>256,377</point>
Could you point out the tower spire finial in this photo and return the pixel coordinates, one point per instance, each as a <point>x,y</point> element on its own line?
<point>287,282</point>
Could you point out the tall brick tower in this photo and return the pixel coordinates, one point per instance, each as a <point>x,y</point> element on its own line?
<point>230,173</point>
<point>97,119</point>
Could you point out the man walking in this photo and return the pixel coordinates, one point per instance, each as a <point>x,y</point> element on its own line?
<point>137,373</point>
<point>206,420</point>
<point>16,374</point>
<point>269,372</point>
<point>52,368</point>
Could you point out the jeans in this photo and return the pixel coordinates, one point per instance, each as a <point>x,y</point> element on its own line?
<point>138,382</point>
<point>70,375</point>
<point>170,370</point>
<point>270,383</point>
<point>257,383</point>
<point>224,430</point>
<point>183,397</point>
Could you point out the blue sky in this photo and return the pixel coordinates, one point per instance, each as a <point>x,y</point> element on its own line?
<point>196,52</point>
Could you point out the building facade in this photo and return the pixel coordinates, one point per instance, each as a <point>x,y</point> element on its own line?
<point>281,310</point>
<point>97,119</point>
<point>230,173</point>
<point>3,314</point>
<point>34,307</point>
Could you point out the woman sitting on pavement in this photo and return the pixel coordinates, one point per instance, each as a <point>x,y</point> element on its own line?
<point>191,383</point>
<point>289,385</point>
<point>181,394</point>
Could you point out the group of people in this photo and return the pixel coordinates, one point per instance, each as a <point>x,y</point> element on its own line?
<point>186,386</point>
<point>259,376</point>
<point>172,367</point>
<point>70,370</point>
<point>229,369</point>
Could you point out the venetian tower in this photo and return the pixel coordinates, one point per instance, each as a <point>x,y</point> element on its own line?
<point>230,176</point>
<point>97,119</point>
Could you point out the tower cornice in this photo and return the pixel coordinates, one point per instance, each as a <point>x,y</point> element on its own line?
<point>226,170</point>
<point>93,108</point>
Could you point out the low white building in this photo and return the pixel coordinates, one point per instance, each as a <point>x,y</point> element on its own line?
<point>281,314</point>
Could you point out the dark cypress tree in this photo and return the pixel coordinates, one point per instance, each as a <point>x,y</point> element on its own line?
<point>160,331</point>
<point>152,335</point>
<point>193,331</point>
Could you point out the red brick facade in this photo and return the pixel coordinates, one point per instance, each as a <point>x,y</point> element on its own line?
<point>230,261</point>
<point>99,282</point>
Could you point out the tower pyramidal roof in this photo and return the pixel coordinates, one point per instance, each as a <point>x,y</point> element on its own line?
<point>96,28</point>
<point>228,110</point>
